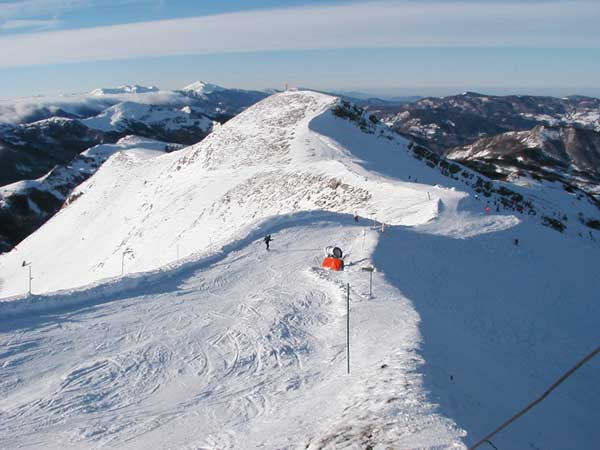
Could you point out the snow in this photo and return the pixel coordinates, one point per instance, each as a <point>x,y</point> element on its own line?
<point>10,189</point>
<point>588,118</point>
<point>209,342</point>
<point>116,117</point>
<point>548,134</point>
<point>505,322</point>
<point>125,89</point>
<point>227,357</point>
<point>90,160</point>
<point>263,163</point>
<point>585,118</point>
<point>17,110</point>
<point>202,88</point>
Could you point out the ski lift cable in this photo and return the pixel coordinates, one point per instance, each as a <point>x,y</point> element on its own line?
<point>566,375</point>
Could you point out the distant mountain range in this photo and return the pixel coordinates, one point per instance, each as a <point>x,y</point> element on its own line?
<point>46,132</point>
<point>461,119</point>
<point>507,137</point>
<point>373,102</point>
<point>563,153</point>
<point>125,89</point>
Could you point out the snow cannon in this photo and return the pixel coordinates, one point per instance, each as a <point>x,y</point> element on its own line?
<point>333,252</point>
<point>333,259</point>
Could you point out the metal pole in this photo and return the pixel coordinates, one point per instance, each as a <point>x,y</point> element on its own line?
<point>369,269</point>
<point>30,279</point>
<point>429,196</point>
<point>122,263</point>
<point>348,327</point>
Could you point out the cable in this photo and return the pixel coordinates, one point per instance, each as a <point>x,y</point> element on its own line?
<point>539,399</point>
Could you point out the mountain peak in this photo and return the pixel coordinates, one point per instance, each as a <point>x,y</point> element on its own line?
<point>125,89</point>
<point>472,94</point>
<point>201,87</point>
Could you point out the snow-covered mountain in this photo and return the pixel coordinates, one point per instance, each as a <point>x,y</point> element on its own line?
<point>26,205</point>
<point>165,323</point>
<point>125,89</point>
<point>28,151</point>
<point>215,101</point>
<point>282,144</point>
<point>66,126</point>
<point>251,155</point>
<point>461,119</point>
<point>497,135</point>
<point>35,133</point>
<point>218,102</point>
<point>44,161</point>
<point>32,149</point>
<point>202,88</point>
<point>569,154</point>
<point>27,110</point>
<point>182,125</point>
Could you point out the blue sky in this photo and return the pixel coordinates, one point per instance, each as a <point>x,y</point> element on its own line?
<point>391,47</point>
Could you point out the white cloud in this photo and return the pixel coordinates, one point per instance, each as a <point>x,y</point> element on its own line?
<point>23,24</point>
<point>384,24</point>
<point>31,8</point>
<point>16,110</point>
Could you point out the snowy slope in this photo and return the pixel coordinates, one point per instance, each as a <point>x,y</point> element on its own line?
<point>240,355</point>
<point>235,348</point>
<point>120,116</point>
<point>202,88</point>
<point>87,164</point>
<point>26,205</point>
<point>263,163</point>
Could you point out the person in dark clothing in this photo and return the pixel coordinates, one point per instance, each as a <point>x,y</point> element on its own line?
<point>267,240</point>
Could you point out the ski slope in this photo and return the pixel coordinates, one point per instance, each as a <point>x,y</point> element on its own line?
<point>279,157</point>
<point>207,341</point>
<point>238,354</point>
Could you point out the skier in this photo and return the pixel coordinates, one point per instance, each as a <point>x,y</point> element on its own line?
<point>267,240</point>
<point>516,242</point>
<point>355,217</point>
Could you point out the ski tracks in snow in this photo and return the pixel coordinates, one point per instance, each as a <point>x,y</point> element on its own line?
<point>248,353</point>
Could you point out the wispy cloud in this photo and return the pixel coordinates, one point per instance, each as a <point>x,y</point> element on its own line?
<point>31,8</point>
<point>29,24</point>
<point>17,110</point>
<point>385,24</point>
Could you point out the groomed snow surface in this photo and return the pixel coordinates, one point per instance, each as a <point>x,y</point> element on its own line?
<point>208,341</point>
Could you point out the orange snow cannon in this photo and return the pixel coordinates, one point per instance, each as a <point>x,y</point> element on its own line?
<point>333,260</point>
<point>333,263</point>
